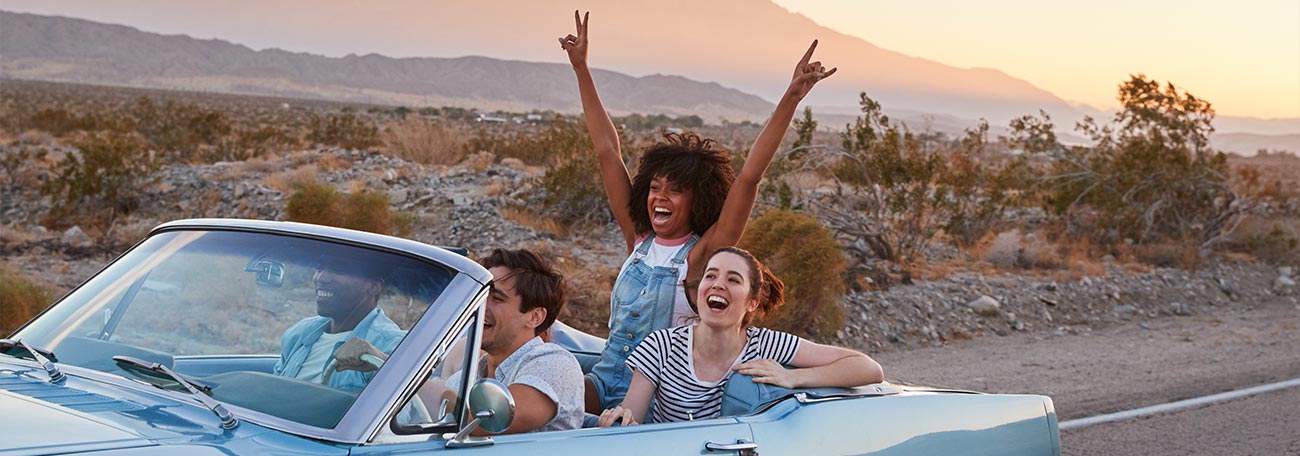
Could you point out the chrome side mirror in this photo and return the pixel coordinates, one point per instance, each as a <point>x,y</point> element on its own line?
<point>493,409</point>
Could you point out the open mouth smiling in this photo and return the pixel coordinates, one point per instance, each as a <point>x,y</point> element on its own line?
<point>716,302</point>
<point>662,214</point>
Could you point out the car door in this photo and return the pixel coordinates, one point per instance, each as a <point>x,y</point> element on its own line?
<point>684,438</point>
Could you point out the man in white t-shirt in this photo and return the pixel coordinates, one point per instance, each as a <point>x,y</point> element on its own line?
<point>544,378</point>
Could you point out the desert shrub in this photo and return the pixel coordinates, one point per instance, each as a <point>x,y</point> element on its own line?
<point>20,299</point>
<point>889,200</point>
<point>403,223</point>
<point>14,159</point>
<point>346,131</point>
<point>322,204</point>
<point>571,190</point>
<point>1273,240</point>
<point>1150,177</point>
<point>811,269</point>
<point>109,171</point>
<point>367,211</point>
<point>775,191</point>
<point>313,202</point>
<point>981,186</point>
<point>177,129</point>
<point>421,141</point>
<point>57,121</point>
<point>1011,249</point>
<point>247,144</point>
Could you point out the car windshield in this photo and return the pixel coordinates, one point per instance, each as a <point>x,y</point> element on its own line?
<point>260,318</point>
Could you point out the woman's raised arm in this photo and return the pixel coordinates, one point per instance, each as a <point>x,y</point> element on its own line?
<point>604,137</point>
<point>740,199</point>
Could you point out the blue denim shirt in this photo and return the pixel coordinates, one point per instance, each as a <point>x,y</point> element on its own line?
<point>296,344</point>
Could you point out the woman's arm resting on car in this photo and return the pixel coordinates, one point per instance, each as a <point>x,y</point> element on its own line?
<point>817,366</point>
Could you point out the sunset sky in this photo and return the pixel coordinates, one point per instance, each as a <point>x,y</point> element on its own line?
<point>1242,56</point>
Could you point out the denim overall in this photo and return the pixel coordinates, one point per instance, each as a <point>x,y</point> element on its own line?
<point>642,302</point>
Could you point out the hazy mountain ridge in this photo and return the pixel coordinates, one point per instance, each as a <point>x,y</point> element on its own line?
<point>75,50</point>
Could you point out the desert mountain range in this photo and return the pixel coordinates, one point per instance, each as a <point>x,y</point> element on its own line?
<point>751,59</point>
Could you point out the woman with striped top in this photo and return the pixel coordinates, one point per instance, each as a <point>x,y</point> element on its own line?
<point>685,369</point>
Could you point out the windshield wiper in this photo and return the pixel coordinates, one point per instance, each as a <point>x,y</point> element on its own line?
<point>41,356</point>
<point>157,371</point>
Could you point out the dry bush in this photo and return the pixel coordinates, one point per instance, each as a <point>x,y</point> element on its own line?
<point>1150,176</point>
<point>1168,254</point>
<point>811,268</point>
<point>330,162</point>
<point>587,288</point>
<point>1276,240</point>
<point>534,221</point>
<point>323,205</point>
<point>256,166</point>
<point>127,231</point>
<point>108,174</point>
<point>10,237</point>
<point>20,299</point>
<point>346,130</point>
<point>284,181</point>
<point>1011,249</point>
<point>403,223</point>
<point>421,141</point>
<point>480,161</point>
<point>315,203</point>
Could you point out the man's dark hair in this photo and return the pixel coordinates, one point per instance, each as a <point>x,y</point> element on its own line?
<point>691,163</point>
<point>536,281</point>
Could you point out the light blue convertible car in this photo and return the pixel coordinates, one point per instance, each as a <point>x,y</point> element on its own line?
<point>184,345</point>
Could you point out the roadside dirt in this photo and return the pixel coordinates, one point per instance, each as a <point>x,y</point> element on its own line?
<point>1140,363</point>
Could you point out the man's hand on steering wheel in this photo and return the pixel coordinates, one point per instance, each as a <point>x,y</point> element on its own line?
<point>358,355</point>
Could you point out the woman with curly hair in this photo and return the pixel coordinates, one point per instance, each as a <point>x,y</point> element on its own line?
<point>685,369</point>
<point>683,202</point>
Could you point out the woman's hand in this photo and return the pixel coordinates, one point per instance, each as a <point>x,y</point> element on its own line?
<point>576,46</point>
<point>770,372</point>
<point>806,74</point>
<point>618,413</point>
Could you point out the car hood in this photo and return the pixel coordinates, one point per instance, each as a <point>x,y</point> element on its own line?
<point>38,427</point>
<point>85,414</point>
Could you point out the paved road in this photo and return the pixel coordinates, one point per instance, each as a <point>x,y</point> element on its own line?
<point>1266,424</point>
<point>1142,363</point>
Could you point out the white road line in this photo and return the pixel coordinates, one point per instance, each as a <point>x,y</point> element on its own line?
<point>1174,406</point>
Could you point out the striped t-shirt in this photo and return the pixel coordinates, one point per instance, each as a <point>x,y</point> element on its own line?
<point>664,357</point>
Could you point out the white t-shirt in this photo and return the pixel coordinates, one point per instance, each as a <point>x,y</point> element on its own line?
<point>662,255</point>
<point>553,371</point>
<point>665,358</point>
<point>313,370</point>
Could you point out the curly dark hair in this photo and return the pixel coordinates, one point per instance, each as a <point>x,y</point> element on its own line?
<point>692,163</point>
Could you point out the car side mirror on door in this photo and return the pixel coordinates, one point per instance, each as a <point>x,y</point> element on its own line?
<point>493,408</point>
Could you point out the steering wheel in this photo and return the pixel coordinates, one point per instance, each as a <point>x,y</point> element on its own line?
<point>334,366</point>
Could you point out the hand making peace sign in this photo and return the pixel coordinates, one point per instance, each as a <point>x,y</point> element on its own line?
<point>576,46</point>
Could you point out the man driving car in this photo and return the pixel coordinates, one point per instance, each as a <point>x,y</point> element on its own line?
<point>349,338</point>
